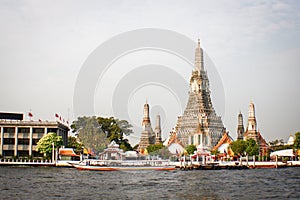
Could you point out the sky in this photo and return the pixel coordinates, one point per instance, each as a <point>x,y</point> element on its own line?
<point>254,47</point>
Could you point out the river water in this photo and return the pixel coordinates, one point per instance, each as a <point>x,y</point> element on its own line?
<point>69,183</point>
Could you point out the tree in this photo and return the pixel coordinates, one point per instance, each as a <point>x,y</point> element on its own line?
<point>190,149</point>
<point>115,130</point>
<point>238,147</point>
<point>125,145</point>
<point>73,143</point>
<point>125,127</point>
<point>97,133</point>
<point>154,148</point>
<point>252,147</point>
<point>214,151</point>
<point>45,144</point>
<point>90,133</point>
<point>297,141</point>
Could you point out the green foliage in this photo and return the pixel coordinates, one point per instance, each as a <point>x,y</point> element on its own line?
<point>252,147</point>
<point>135,147</point>
<point>159,150</point>
<point>90,133</point>
<point>214,152</point>
<point>238,147</point>
<point>163,153</point>
<point>125,145</point>
<point>276,142</point>
<point>73,143</point>
<point>44,145</point>
<point>125,127</point>
<point>281,147</point>
<point>190,149</point>
<point>97,133</point>
<point>154,147</point>
<point>297,141</point>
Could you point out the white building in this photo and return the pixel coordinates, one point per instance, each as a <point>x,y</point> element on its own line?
<point>19,138</point>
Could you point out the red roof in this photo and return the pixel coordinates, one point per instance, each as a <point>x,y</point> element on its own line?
<point>67,152</point>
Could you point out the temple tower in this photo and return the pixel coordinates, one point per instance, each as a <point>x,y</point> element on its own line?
<point>157,130</point>
<point>240,128</point>
<point>251,131</point>
<point>147,136</point>
<point>199,124</point>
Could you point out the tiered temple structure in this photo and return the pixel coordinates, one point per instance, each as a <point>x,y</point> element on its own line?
<point>157,130</point>
<point>240,128</point>
<point>251,130</point>
<point>199,124</point>
<point>149,136</point>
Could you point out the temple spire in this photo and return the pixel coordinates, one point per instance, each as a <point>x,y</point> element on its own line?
<point>157,130</point>
<point>240,129</point>
<point>146,118</point>
<point>199,58</point>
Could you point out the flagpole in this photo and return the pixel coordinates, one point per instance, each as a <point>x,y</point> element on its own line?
<point>30,114</point>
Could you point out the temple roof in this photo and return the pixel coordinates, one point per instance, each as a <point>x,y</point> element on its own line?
<point>226,139</point>
<point>66,152</point>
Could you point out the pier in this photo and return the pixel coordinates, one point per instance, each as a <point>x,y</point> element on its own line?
<point>34,163</point>
<point>231,165</point>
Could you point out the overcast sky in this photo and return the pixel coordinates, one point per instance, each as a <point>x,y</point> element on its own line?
<point>254,46</point>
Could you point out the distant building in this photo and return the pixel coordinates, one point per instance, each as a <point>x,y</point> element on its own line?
<point>149,136</point>
<point>291,140</point>
<point>199,124</point>
<point>112,152</point>
<point>223,146</point>
<point>19,138</point>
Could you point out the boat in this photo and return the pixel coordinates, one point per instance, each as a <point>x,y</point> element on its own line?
<point>114,165</point>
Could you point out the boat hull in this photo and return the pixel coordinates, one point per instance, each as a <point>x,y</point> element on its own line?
<point>125,168</point>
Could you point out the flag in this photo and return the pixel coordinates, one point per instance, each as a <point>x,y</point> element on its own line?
<point>30,114</point>
<point>40,120</point>
<point>56,115</point>
<point>60,118</point>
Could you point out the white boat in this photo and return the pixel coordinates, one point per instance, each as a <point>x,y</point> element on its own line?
<point>117,165</point>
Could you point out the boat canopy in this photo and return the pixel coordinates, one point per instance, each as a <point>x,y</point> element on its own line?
<point>282,153</point>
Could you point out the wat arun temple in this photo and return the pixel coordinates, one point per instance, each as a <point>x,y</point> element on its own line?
<point>199,124</point>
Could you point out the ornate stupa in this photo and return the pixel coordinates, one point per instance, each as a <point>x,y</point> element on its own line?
<point>240,128</point>
<point>149,136</point>
<point>251,131</point>
<point>199,124</point>
<point>157,130</point>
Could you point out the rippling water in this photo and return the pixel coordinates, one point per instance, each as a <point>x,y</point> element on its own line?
<point>68,183</point>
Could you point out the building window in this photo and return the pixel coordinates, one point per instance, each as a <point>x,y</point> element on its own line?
<point>52,130</point>
<point>23,130</point>
<point>8,153</point>
<point>23,153</point>
<point>23,141</point>
<point>35,141</point>
<point>9,129</point>
<point>37,154</point>
<point>9,141</point>
<point>38,130</point>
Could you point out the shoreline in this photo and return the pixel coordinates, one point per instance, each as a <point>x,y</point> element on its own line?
<point>180,165</point>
